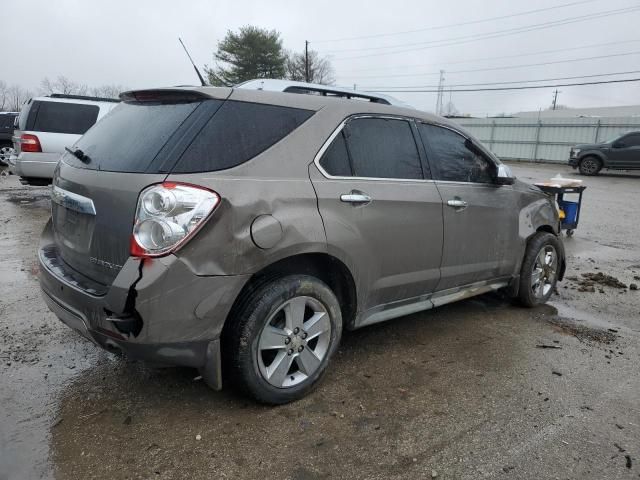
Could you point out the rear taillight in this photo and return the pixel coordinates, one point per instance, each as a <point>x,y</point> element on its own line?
<point>29,143</point>
<point>168,215</point>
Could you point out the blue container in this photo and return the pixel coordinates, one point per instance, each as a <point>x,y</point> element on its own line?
<point>570,210</point>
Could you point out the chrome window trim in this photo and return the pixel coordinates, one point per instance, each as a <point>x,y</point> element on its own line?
<point>72,201</point>
<point>336,132</point>
<point>338,129</point>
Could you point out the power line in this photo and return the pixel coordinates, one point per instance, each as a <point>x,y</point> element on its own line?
<point>502,57</point>
<point>512,82</point>
<point>503,67</point>
<point>510,31</point>
<point>482,36</point>
<point>530,87</point>
<point>440,27</point>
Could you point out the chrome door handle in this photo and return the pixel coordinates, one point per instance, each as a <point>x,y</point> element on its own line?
<point>457,203</point>
<point>355,198</point>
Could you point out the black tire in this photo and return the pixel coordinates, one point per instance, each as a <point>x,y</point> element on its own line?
<point>241,363</point>
<point>5,150</point>
<point>537,243</point>
<point>590,166</point>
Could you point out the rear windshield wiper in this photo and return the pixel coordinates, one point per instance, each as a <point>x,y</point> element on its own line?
<point>79,154</point>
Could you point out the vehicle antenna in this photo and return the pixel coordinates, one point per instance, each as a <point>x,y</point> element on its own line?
<point>202,82</point>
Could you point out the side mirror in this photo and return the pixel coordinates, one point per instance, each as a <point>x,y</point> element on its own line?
<point>619,145</point>
<point>504,176</point>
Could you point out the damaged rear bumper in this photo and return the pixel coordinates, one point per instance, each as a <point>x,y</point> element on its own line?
<point>157,310</point>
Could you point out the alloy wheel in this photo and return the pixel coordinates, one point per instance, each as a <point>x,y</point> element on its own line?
<point>5,153</point>
<point>294,342</point>
<point>589,166</point>
<point>544,271</point>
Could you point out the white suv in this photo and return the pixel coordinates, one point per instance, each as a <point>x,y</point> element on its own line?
<point>46,125</point>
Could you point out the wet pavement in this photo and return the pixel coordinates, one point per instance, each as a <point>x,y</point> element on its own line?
<point>477,389</point>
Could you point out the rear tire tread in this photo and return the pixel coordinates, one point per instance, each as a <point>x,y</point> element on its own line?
<point>244,327</point>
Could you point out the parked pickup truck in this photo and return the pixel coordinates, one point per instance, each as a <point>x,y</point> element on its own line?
<point>619,153</point>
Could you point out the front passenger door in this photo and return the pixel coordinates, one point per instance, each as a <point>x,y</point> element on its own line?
<point>625,152</point>
<point>480,217</point>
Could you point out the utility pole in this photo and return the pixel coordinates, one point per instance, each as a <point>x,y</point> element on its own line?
<point>440,94</point>
<point>555,99</point>
<point>306,61</point>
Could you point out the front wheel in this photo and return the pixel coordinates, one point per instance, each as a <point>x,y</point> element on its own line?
<point>539,273</point>
<point>590,166</point>
<point>282,338</point>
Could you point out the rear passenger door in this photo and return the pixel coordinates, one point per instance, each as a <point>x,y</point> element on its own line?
<point>382,213</point>
<point>480,217</point>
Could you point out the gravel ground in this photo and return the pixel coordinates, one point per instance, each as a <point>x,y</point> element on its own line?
<point>477,389</point>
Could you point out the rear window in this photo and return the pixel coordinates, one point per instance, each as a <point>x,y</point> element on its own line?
<point>6,122</point>
<point>130,136</point>
<point>189,137</point>
<point>238,132</point>
<point>59,117</point>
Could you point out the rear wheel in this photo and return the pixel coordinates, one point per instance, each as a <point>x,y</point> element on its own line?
<point>5,152</point>
<point>282,338</point>
<point>590,166</point>
<point>539,273</point>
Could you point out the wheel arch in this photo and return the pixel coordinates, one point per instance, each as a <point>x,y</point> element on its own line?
<point>323,266</point>
<point>595,154</point>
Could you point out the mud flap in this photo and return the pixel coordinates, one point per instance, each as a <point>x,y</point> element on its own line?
<point>212,370</point>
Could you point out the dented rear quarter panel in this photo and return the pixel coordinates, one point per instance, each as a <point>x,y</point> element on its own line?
<point>275,183</point>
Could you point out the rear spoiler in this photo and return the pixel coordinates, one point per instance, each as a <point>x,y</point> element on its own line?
<point>162,96</point>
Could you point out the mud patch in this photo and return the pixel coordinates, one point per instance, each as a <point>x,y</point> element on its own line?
<point>25,198</point>
<point>583,333</point>
<point>590,279</point>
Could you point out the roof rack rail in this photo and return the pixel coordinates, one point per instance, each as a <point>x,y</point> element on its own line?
<point>84,97</point>
<point>326,92</point>
<point>291,86</point>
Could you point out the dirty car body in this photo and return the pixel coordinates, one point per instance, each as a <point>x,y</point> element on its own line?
<point>301,199</point>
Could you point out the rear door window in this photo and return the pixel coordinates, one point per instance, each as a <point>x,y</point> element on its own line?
<point>453,160</point>
<point>237,133</point>
<point>60,117</point>
<point>383,148</point>
<point>335,160</point>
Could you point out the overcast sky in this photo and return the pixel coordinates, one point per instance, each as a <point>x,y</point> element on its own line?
<point>134,43</point>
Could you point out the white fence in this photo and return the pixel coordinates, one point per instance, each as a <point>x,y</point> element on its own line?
<point>544,140</point>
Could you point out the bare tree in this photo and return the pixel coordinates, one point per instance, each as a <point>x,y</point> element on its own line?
<point>107,91</point>
<point>62,85</point>
<point>320,68</point>
<point>16,96</point>
<point>4,95</point>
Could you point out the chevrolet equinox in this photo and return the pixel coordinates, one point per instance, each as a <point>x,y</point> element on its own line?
<point>240,231</point>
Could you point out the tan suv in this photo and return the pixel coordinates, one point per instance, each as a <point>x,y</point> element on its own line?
<point>240,232</point>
